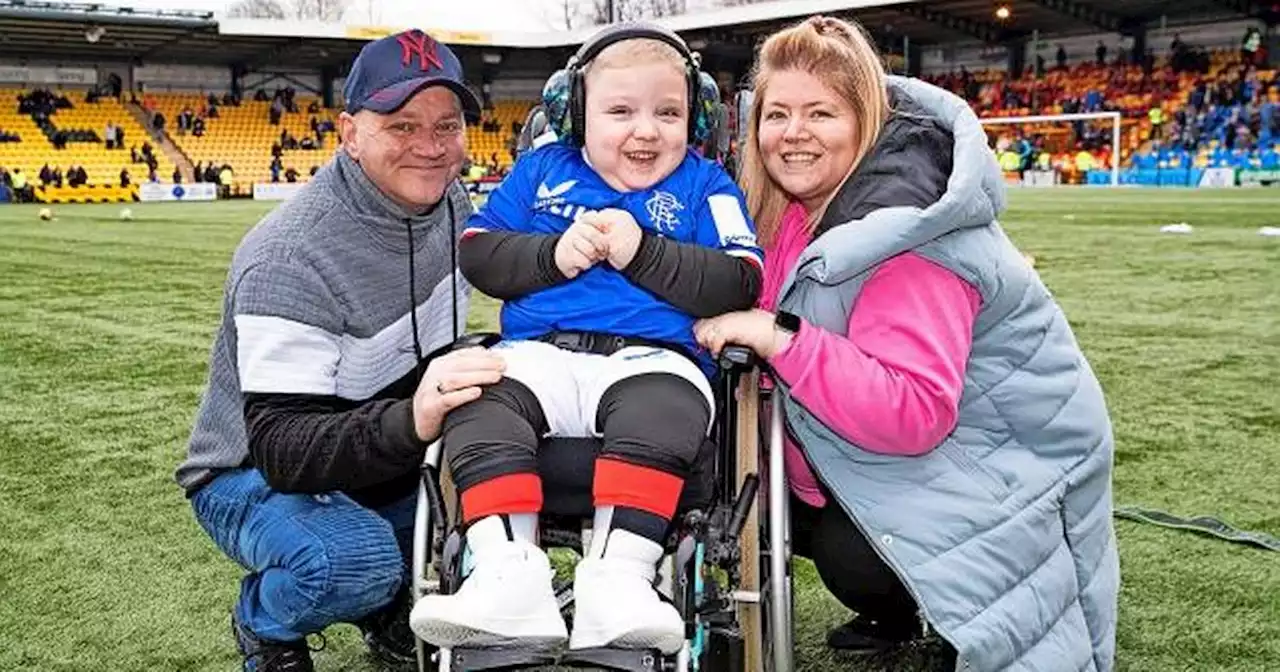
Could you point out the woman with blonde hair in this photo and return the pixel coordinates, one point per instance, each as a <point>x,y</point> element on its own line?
<point>949,448</point>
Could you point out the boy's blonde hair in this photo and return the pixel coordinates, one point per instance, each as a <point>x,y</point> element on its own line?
<point>638,51</point>
<point>838,53</point>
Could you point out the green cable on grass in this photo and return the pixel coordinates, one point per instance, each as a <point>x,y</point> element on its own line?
<point>1202,524</point>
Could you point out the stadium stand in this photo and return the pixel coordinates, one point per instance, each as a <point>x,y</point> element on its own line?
<point>1221,112</point>
<point>243,136</point>
<point>492,142</point>
<point>1184,108</point>
<point>61,132</point>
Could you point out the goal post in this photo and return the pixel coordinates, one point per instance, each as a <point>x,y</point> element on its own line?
<point>1081,116</point>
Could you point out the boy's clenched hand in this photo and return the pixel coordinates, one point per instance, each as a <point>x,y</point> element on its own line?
<point>581,246</point>
<point>622,235</point>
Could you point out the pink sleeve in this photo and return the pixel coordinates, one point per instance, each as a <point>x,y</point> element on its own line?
<point>893,384</point>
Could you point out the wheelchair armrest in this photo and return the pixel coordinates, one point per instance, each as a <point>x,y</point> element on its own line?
<point>737,359</point>
<point>480,339</point>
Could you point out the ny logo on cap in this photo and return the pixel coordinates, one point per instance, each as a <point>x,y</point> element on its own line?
<point>420,44</point>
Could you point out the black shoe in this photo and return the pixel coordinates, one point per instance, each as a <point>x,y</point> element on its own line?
<point>387,634</point>
<point>264,655</point>
<point>866,635</point>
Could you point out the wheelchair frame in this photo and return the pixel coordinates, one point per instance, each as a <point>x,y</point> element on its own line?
<point>746,628</point>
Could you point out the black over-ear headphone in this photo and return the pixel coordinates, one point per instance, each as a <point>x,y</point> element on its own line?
<point>577,102</point>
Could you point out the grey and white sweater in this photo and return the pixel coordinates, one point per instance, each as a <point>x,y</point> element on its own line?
<point>314,367</point>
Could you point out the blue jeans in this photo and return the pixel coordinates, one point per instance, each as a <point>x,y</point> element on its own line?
<point>312,560</point>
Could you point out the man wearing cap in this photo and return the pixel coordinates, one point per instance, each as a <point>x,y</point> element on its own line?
<point>323,389</point>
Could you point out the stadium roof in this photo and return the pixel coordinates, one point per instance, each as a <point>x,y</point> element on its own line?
<point>84,31</point>
<point>31,29</point>
<point>927,21</point>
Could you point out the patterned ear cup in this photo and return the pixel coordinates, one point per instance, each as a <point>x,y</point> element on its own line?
<point>555,98</point>
<point>704,109</point>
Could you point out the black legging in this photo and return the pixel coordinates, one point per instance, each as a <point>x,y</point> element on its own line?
<point>849,566</point>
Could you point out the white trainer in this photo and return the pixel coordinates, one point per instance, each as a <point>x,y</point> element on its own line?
<point>507,600</point>
<point>616,604</point>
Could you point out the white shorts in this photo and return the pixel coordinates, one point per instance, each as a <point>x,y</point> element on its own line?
<point>569,385</point>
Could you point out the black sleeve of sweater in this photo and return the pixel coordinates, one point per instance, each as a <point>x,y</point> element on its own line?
<point>317,443</point>
<point>508,265</point>
<point>699,280</point>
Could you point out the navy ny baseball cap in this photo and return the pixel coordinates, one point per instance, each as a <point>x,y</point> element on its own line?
<point>390,71</point>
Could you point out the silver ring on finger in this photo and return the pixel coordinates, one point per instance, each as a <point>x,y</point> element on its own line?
<point>440,386</point>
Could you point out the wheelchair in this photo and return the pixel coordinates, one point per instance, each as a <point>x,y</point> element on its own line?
<point>727,567</point>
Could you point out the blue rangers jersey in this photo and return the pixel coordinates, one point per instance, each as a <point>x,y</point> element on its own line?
<point>552,185</point>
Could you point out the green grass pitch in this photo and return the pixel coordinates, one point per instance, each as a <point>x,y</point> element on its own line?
<point>105,327</point>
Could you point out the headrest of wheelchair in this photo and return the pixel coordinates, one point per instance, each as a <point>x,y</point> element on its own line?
<point>632,31</point>
<point>536,132</point>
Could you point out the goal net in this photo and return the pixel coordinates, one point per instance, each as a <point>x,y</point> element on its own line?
<point>1053,149</point>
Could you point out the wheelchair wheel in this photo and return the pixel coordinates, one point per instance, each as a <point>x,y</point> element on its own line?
<point>776,600</point>
<point>765,597</point>
<point>425,579</point>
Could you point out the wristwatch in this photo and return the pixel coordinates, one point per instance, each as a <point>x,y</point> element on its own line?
<point>787,322</point>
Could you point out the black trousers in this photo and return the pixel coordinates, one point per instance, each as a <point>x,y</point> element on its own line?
<point>654,420</point>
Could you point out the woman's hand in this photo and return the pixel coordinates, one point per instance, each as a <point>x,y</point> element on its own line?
<point>754,329</point>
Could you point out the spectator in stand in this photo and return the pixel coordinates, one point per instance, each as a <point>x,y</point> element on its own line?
<point>1269,158</point>
<point>1062,57</point>
<point>125,180</point>
<point>46,175</point>
<point>291,175</point>
<point>1101,54</point>
<point>157,121</point>
<point>197,127</point>
<point>273,115</point>
<point>22,191</point>
<point>225,177</point>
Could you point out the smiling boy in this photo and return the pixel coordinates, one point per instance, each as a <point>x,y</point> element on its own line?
<point>605,247</point>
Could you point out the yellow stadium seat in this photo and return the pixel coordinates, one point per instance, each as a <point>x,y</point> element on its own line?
<point>102,165</point>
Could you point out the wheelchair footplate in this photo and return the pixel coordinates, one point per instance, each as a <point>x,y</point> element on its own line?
<point>628,660</point>
<point>499,658</point>
<point>514,658</point>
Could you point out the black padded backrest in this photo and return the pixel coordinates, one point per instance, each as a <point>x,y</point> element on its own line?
<point>536,131</point>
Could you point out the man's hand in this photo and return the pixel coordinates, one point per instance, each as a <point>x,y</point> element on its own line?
<point>450,381</point>
<point>622,235</point>
<point>581,246</point>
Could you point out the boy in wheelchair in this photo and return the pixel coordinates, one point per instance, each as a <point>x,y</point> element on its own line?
<point>605,246</point>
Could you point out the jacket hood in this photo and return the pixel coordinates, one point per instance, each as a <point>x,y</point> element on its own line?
<point>930,173</point>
